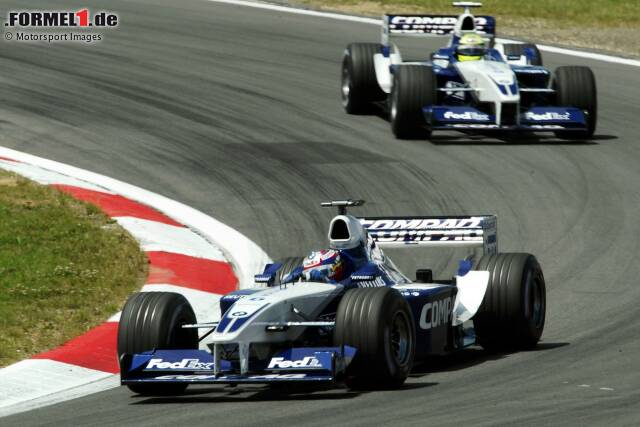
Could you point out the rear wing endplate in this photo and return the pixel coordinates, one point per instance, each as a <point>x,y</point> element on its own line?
<point>465,231</point>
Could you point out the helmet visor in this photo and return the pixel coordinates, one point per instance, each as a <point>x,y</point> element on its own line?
<point>471,51</point>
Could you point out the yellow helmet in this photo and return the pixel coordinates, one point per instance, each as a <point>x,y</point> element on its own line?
<point>470,48</point>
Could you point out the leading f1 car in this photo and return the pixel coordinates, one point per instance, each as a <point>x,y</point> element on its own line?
<point>344,313</point>
<point>474,84</point>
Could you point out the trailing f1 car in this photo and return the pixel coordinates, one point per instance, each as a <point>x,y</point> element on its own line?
<point>472,84</point>
<point>346,313</point>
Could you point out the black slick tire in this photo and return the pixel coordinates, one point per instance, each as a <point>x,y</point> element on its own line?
<point>414,87</point>
<point>289,264</point>
<point>379,324</point>
<point>520,49</point>
<point>359,86</point>
<point>153,320</point>
<point>575,86</point>
<point>512,313</point>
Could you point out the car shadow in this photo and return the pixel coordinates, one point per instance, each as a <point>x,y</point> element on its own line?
<point>307,392</point>
<point>249,394</point>
<point>292,392</point>
<point>543,346</point>
<point>470,357</point>
<point>488,139</point>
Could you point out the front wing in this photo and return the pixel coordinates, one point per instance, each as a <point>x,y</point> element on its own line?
<point>536,119</point>
<point>311,364</point>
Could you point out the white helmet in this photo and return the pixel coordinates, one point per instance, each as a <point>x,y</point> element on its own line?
<point>346,232</point>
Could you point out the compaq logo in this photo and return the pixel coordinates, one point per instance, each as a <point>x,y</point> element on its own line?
<point>421,223</point>
<point>436,313</point>
<point>424,20</point>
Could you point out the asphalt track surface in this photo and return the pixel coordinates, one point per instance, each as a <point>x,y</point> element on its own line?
<point>236,112</point>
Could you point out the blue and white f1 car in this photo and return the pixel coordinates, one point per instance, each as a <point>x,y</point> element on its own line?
<point>506,88</point>
<point>368,329</point>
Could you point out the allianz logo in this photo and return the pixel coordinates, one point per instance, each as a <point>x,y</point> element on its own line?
<point>549,115</point>
<point>282,363</point>
<point>467,115</point>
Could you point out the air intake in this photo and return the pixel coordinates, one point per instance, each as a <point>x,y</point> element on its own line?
<point>339,230</point>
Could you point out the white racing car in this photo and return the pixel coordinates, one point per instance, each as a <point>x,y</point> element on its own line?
<point>346,313</point>
<point>472,84</point>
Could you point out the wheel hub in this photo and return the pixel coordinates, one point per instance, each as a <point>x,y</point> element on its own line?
<point>400,338</point>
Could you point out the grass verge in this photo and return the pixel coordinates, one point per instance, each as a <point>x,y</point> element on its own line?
<point>611,25</point>
<point>65,267</point>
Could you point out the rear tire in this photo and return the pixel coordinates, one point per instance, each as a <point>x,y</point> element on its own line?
<point>512,313</point>
<point>289,264</point>
<point>153,320</point>
<point>575,86</point>
<point>379,324</point>
<point>414,86</point>
<point>359,84</point>
<point>529,50</point>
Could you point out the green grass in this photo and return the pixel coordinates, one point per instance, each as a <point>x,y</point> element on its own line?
<point>608,25</point>
<point>597,13</point>
<point>64,267</point>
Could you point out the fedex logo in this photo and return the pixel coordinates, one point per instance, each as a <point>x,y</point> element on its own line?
<point>467,115</point>
<point>305,363</point>
<point>187,364</point>
<point>550,115</point>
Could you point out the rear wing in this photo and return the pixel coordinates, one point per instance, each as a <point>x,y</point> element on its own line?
<point>434,25</point>
<point>465,231</point>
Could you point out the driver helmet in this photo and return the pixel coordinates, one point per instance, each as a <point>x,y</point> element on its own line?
<point>325,265</point>
<point>470,48</point>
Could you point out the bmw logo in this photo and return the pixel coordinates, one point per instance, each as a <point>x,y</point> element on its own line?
<point>238,314</point>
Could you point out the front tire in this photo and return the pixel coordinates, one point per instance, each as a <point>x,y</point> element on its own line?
<point>414,87</point>
<point>289,264</point>
<point>153,320</point>
<point>512,313</point>
<point>359,83</point>
<point>575,86</point>
<point>529,50</point>
<point>379,324</point>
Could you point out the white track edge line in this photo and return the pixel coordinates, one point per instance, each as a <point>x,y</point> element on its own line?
<point>373,21</point>
<point>246,257</point>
